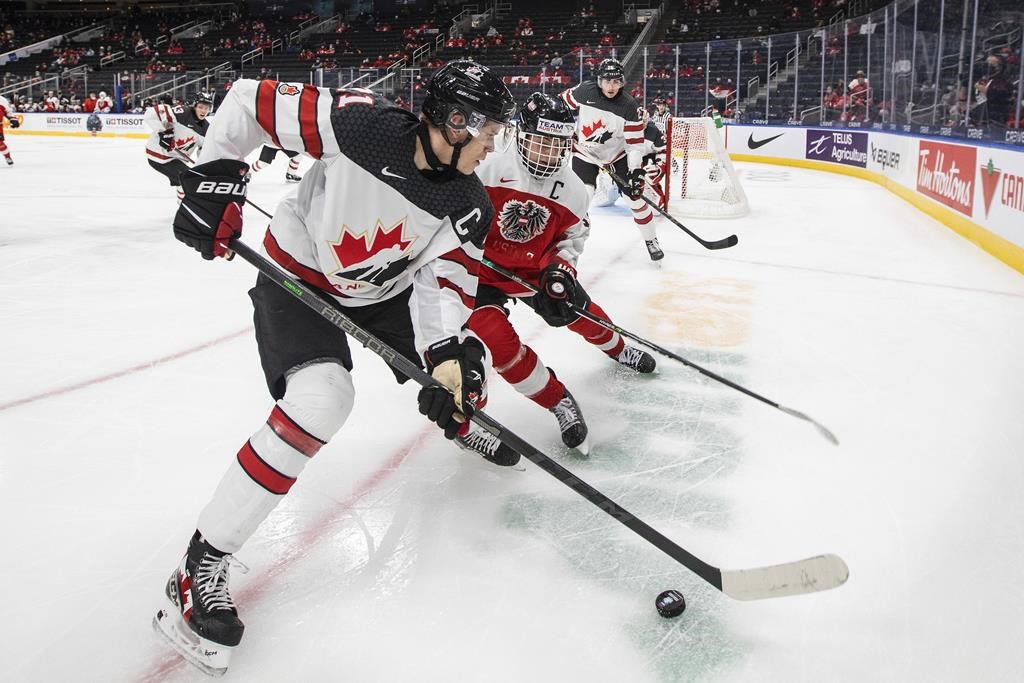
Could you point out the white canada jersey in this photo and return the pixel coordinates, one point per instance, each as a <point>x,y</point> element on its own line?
<point>364,224</point>
<point>535,221</point>
<point>5,109</point>
<point>189,133</point>
<point>606,130</point>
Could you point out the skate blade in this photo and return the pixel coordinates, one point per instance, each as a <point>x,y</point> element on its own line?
<point>209,657</point>
<point>584,448</point>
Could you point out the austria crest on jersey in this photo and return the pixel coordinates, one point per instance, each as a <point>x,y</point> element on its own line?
<point>521,221</point>
<point>372,257</point>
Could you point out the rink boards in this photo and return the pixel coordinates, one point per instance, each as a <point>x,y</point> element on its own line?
<point>975,189</point>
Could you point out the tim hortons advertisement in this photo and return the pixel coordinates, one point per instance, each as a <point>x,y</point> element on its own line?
<point>945,173</point>
<point>840,147</point>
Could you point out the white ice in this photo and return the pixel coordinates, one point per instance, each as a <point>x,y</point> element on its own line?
<point>400,558</point>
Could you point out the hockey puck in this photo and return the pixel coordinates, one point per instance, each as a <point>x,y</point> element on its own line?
<point>670,603</point>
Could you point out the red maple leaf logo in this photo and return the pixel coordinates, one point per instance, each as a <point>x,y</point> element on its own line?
<point>589,130</point>
<point>354,248</point>
<point>181,142</point>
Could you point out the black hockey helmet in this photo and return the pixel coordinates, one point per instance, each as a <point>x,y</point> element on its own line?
<point>201,97</point>
<point>611,70</point>
<point>464,95</point>
<point>544,134</point>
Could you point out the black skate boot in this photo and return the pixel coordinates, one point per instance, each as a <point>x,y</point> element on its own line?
<point>654,249</point>
<point>486,444</point>
<point>638,360</point>
<point>201,622</point>
<point>571,423</point>
<point>9,160</point>
<point>292,178</point>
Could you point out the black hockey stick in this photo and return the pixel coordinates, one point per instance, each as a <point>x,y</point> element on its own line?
<point>793,578</point>
<point>725,243</point>
<point>665,352</point>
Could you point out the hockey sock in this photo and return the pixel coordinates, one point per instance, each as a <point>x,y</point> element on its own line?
<point>606,340</point>
<point>643,217</point>
<point>318,399</point>
<point>293,165</point>
<point>257,165</point>
<point>516,362</point>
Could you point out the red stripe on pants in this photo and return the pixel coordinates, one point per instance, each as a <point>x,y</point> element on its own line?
<point>594,333</point>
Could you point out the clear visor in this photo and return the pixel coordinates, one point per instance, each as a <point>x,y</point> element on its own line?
<point>543,155</point>
<point>610,81</point>
<point>487,131</point>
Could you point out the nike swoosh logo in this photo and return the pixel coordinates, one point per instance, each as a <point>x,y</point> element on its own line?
<point>385,171</point>
<point>506,180</point>
<point>754,144</point>
<point>590,102</point>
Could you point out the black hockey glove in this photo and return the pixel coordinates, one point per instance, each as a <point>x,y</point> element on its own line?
<point>210,215</point>
<point>166,139</point>
<point>14,123</point>
<point>635,183</point>
<point>558,293</point>
<point>460,369</point>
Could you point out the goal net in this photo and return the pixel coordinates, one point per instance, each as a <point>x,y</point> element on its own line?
<point>699,179</point>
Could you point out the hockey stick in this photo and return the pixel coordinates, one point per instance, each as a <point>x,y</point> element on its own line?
<point>793,578</point>
<point>665,352</point>
<point>725,243</point>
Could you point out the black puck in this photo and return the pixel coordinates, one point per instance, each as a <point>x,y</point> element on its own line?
<point>670,603</point>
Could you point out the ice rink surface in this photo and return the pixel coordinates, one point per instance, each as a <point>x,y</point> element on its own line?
<point>130,380</point>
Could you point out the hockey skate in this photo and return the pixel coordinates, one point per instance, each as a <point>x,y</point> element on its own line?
<point>489,446</point>
<point>292,178</point>
<point>10,161</point>
<point>654,249</point>
<point>201,621</point>
<point>638,360</point>
<point>571,423</point>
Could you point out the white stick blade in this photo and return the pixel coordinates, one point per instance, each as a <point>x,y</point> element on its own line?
<point>812,575</point>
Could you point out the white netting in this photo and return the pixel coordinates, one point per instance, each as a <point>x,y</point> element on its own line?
<point>700,180</point>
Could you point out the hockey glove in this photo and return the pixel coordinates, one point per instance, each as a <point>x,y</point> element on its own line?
<point>166,138</point>
<point>210,215</point>
<point>559,293</point>
<point>460,370</point>
<point>14,123</point>
<point>635,183</point>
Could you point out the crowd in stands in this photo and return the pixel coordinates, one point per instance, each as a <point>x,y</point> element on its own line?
<point>540,46</point>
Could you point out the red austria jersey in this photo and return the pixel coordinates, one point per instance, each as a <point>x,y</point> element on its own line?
<point>606,129</point>
<point>5,109</point>
<point>365,224</point>
<point>535,221</point>
<point>189,132</point>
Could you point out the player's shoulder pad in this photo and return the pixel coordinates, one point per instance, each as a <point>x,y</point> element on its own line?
<point>365,124</point>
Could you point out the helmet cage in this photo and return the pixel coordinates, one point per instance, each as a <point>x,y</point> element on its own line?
<point>545,154</point>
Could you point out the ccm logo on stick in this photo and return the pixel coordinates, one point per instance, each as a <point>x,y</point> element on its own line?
<point>211,187</point>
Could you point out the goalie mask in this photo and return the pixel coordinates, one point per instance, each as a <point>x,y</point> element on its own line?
<point>544,135</point>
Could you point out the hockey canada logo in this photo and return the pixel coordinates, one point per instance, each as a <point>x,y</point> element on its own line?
<point>592,132</point>
<point>522,221</point>
<point>288,89</point>
<point>373,257</point>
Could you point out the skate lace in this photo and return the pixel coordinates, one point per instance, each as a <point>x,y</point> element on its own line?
<point>211,578</point>
<point>482,442</point>
<point>630,356</point>
<point>566,414</point>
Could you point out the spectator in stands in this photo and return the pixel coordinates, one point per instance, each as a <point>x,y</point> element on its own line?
<point>997,91</point>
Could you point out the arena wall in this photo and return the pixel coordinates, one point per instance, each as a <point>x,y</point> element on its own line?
<point>973,188</point>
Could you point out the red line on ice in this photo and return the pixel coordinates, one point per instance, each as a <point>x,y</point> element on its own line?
<point>121,373</point>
